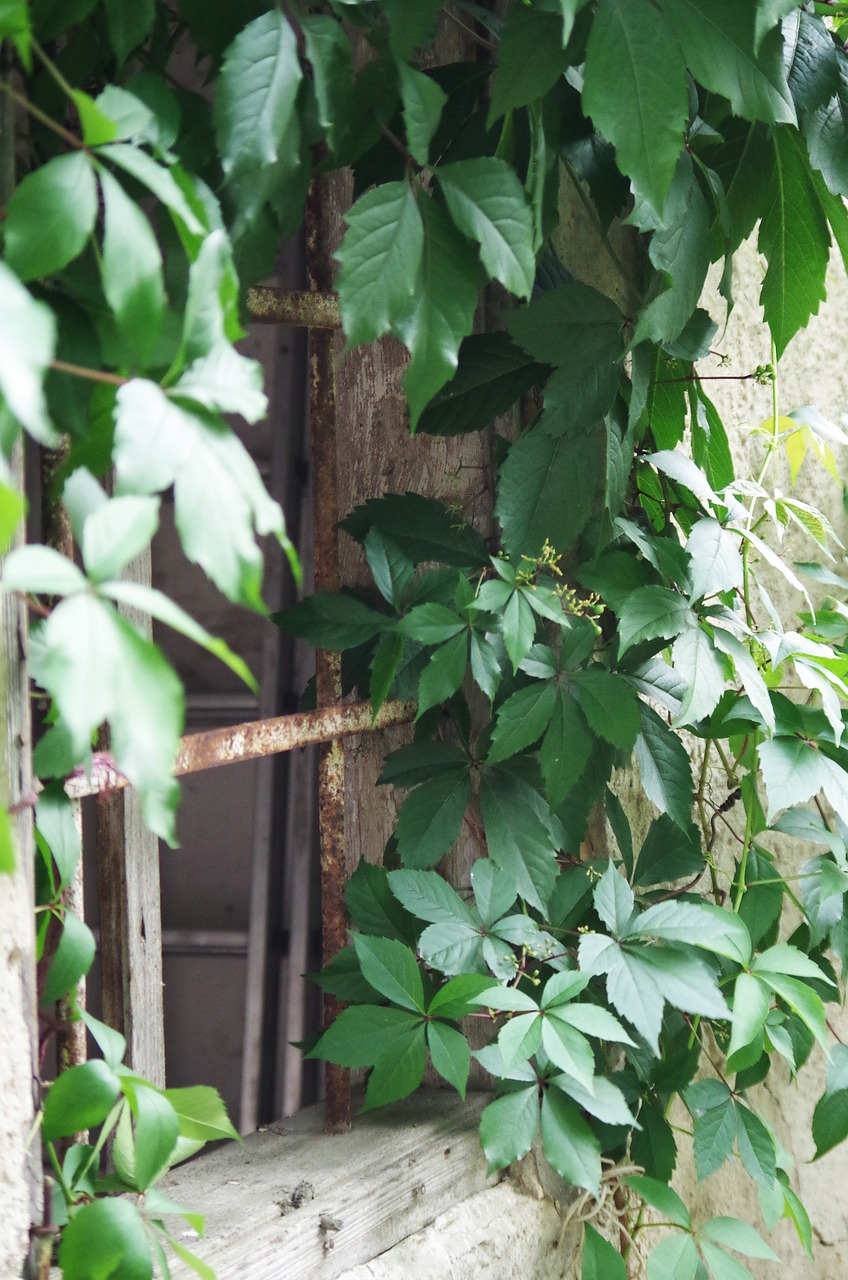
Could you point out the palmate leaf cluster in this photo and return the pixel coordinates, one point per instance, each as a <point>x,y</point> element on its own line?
<point>626,598</point>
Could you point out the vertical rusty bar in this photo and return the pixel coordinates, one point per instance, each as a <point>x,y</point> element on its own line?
<point>325,505</point>
<point>70,1038</point>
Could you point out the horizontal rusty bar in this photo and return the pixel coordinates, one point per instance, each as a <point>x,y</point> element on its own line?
<point>253,740</point>
<point>304,308</point>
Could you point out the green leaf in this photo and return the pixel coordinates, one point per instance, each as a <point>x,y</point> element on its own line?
<point>50,216</point>
<point>547,490</point>
<point>391,969</point>
<point>202,1113</point>
<point>392,570</point>
<point>664,768</point>
<point>566,1048</point>
<point>494,892</point>
<point>715,1131</point>
<point>117,532</point>
<point>568,1142</point>
<point>450,1054</point>
<point>105,1240</point>
<point>485,666</point>
<point>54,821</point>
<point>430,818</point>
<point>594,1021</point>
<point>110,1042</point>
<point>423,102</point>
<point>79,1099</point>
<point>802,1000</point>
<point>373,907</point>
<point>487,203</point>
<point>825,134</point>
<point>522,719</point>
<point>15,26</point>
<point>98,667</point>
<point>42,571</point>
<point>519,842</point>
<point>8,862</point>
<point>723,1265</point>
<point>380,256</point>
<point>410,25</point>
<point>255,107</point>
<point>572,327</point>
<point>642,113</point>
<point>675,1258</point>
<point>669,853</point>
<point>399,1071</point>
<point>731,1233</point>
<point>223,381</point>
<point>128,25</point>
<point>508,1128</point>
<point>613,900</point>
<point>360,1035</point>
<point>384,668</point>
<point>600,1260</point>
<point>429,897</point>
<point>157,1128</point>
<point>519,628</point>
<point>456,998</point>
<point>830,1117</point>
<point>329,51</point>
<point>531,59</point>
<point>662,1197</point>
<point>418,761</point>
<point>331,621</point>
<point>795,240</point>
<point>221,502</point>
<point>696,661</point>
<point>492,374</point>
<point>431,623</point>
<point>651,613</point>
<point>606,1102</point>
<point>718,45</point>
<point>441,314</point>
<point>566,747</point>
<point>443,674</point>
<point>609,705</point>
<point>191,1260</point>
<point>680,250</point>
<point>792,771</point>
<point>71,961</point>
<point>750,1009</point>
<point>422,528</point>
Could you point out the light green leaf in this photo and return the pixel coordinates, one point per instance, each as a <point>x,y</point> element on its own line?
<point>715,1130</point>
<point>600,1260</point>
<point>506,1000</point>
<point>224,381</point>
<point>750,1009</point>
<point>519,1039</point>
<point>695,660</point>
<point>8,862</point>
<point>15,26</point>
<point>117,532</point>
<point>675,1258</point>
<point>661,1197</point>
<point>613,900</point>
<point>793,772</point>
<point>519,628</point>
<point>105,1239</point>
<point>718,44</point>
<point>784,958</point>
<point>716,562</point>
<point>391,969</point>
<point>741,1236</point>
<point>522,719</point>
<point>80,1098</point>
<point>494,892</point>
<point>487,203</point>
<point>50,216</point>
<point>42,571</point>
<point>159,180</point>
<point>423,102</point>
<point>380,256</point>
<point>111,1043</point>
<point>567,1049</point>
<point>449,1054</point>
<point>748,673</point>
<point>456,998</point>
<point>211,316</point>
<point>795,240</point>
<point>804,1001</point>
<point>642,113</point>
<point>197,1265</point>
<point>157,1128</point>
<point>508,1128</point>
<point>441,314</point>
<point>568,1142</point>
<point>202,1113</point>
<point>392,570</point>
<point>724,1266</point>
<point>594,1021</point>
<point>71,960</point>
<point>606,1102</point>
<point>430,623</point>
<point>664,768</point>
<point>683,980</point>
<point>219,495</point>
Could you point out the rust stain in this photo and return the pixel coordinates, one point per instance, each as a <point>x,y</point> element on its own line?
<point>306,309</point>
<point>325,505</point>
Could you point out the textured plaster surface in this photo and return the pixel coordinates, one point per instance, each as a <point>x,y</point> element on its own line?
<point>15,1081</point>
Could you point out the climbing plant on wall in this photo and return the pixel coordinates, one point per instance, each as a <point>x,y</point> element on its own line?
<point>626,601</point>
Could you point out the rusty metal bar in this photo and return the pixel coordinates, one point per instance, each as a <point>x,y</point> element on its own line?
<point>305,309</point>
<point>325,508</point>
<point>253,741</point>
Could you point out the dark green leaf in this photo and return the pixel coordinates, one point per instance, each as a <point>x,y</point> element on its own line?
<point>423,102</point>
<point>128,24</point>
<point>331,621</point>
<point>610,706</point>
<point>391,969</point>
<point>718,44</point>
<point>565,749</point>
<point>643,114</point>
<point>430,818</point>
<point>651,613</point>
<point>79,1099</point>
<point>508,1128</point>
<point>105,1240</point>
<point>830,1118</point>
<point>342,977</point>
<point>531,59</point>
<point>443,674</point>
<point>569,1143</point>
<point>50,216</point>
<point>393,571</point>
<point>654,1148</point>
<point>715,1131</point>
<point>519,842</point>
<point>655,1193</point>
<point>664,768</point>
<point>492,374</point>
<point>362,1034</point>
<point>522,719</point>
<point>572,327</point>
<point>431,624</point>
<point>328,49</point>
<point>450,1054</point>
<point>457,997</point>
<point>399,1071</point>
<point>669,853</point>
<point>795,239</point>
<point>422,528</point>
<point>810,55</point>
<point>384,669</point>
<point>548,490</point>
<point>373,907</point>
<point>600,1260</point>
<point>756,1147</point>
<point>680,250</point>
<point>418,761</point>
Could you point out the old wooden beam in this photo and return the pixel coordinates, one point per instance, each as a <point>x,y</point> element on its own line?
<point>301,308</point>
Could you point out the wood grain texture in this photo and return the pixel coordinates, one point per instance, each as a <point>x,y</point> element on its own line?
<point>271,1204</point>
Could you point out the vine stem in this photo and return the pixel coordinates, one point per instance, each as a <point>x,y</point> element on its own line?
<point>746,845</point>
<point>91,375</point>
<point>49,123</point>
